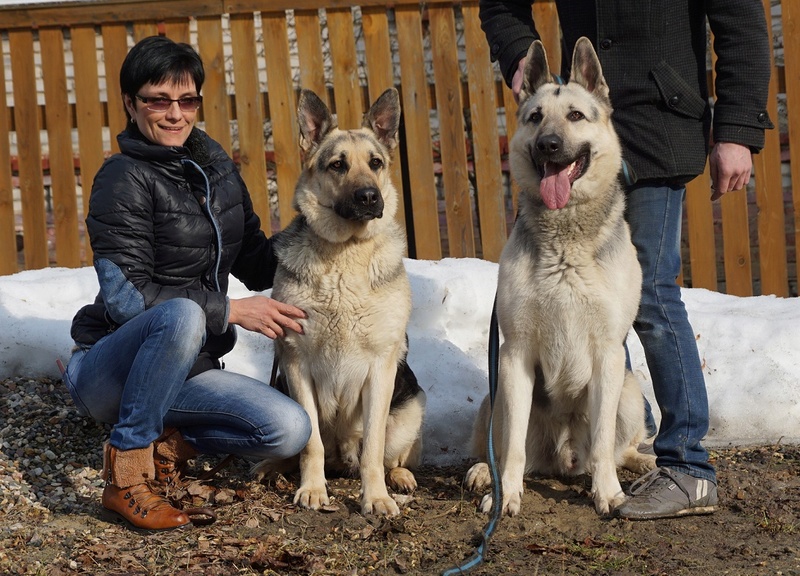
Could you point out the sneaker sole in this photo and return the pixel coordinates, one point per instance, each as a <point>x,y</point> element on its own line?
<point>695,511</point>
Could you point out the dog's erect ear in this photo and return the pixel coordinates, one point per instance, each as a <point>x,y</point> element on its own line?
<point>586,69</point>
<point>383,118</point>
<point>314,119</point>
<point>537,72</point>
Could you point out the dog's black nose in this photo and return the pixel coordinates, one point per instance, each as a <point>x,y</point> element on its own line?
<point>549,143</point>
<point>367,196</point>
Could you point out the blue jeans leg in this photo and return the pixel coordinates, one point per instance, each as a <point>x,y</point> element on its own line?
<point>221,412</point>
<point>135,379</point>
<point>131,377</point>
<point>654,213</point>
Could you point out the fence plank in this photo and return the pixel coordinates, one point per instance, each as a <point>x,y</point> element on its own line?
<point>88,110</point>
<point>791,46</point>
<point>8,239</point>
<point>546,17</point>
<point>26,120</point>
<point>144,29</point>
<point>250,113</point>
<point>216,102</point>
<point>177,30</point>
<point>283,112</point>
<point>309,50</point>
<point>769,197</point>
<point>700,231</point>
<point>458,208</point>
<point>426,238</point>
<point>485,137</point>
<point>115,48</point>
<point>344,61</point>
<point>59,137</point>
<point>380,76</point>
<point>736,242</point>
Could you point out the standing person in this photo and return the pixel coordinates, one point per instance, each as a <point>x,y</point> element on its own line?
<point>169,219</point>
<point>653,56</point>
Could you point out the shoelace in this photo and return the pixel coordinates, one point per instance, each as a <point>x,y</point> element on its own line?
<point>647,483</point>
<point>145,499</point>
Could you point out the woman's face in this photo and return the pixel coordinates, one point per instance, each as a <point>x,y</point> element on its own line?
<point>170,127</point>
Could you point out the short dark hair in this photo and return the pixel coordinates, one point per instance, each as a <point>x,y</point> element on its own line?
<point>157,59</point>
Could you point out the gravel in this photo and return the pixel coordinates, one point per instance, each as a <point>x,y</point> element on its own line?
<point>38,467</point>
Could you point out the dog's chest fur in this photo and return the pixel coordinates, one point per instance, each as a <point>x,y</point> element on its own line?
<point>356,295</point>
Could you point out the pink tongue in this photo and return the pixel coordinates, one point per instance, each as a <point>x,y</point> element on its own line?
<point>555,185</point>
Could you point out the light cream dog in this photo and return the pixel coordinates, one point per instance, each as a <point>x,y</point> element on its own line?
<point>568,291</point>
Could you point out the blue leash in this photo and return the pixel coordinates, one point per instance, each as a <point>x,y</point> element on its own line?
<point>497,490</point>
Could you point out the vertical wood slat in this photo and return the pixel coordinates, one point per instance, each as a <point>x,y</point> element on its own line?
<point>510,110</point>
<point>59,137</point>
<point>283,111</point>
<point>309,51</point>
<point>177,30</point>
<point>458,208</point>
<point>769,196</point>
<point>344,61</point>
<point>419,152</point>
<point>380,76</point>
<point>88,110</point>
<point>115,48</point>
<point>8,237</point>
<point>216,103</point>
<point>144,29</point>
<point>485,137</point>
<point>700,231</point>
<point>26,120</point>
<point>546,17</point>
<point>791,63</point>
<point>250,113</point>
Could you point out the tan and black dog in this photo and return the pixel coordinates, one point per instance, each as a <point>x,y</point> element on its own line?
<point>341,261</point>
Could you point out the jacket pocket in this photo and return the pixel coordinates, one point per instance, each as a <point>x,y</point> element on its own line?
<point>676,94</point>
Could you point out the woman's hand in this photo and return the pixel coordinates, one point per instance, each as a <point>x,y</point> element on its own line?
<point>265,316</point>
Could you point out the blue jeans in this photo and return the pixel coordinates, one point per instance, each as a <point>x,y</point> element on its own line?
<point>135,379</point>
<point>654,213</point>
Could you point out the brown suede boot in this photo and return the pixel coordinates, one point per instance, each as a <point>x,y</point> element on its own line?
<point>170,454</point>
<point>128,494</point>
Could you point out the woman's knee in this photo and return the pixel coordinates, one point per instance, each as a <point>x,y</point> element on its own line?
<point>183,316</point>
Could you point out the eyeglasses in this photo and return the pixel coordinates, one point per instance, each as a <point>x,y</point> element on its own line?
<point>161,104</point>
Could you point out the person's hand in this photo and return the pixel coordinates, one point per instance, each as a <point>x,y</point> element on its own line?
<point>265,316</point>
<point>730,165</point>
<point>516,80</point>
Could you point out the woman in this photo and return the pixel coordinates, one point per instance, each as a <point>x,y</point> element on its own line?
<point>169,219</point>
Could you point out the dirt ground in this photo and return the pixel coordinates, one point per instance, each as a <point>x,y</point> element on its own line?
<point>258,531</point>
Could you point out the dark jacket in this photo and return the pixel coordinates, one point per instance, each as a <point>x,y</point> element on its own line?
<point>171,222</point>
<point>653,54</point>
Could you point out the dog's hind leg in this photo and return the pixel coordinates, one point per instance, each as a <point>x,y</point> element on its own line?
<point>631,430</point>
<point>404,442</point>
<point>478,477</point>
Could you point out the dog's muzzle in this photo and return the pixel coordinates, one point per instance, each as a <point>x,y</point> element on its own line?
<point>363,204</point>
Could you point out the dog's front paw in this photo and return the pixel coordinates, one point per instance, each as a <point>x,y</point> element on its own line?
<point>402,479</point>
<point>383,506</point>
<point>311,497</point>
<point>511,506</point>
<point>604,505</point>
<point>478,478</point>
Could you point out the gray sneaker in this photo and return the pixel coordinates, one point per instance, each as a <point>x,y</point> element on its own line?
<point>667,493</point>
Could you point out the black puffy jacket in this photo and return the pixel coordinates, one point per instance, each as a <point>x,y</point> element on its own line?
<point>167,222</point>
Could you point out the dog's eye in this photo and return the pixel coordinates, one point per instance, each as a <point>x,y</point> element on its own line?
<point>376,163</point>
<point>535,117</point>
<point>575,115</point>
<point>337,165</point>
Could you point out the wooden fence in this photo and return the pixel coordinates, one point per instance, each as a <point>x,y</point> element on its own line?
<point>64,109</point>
